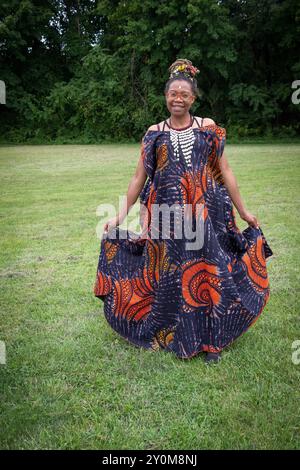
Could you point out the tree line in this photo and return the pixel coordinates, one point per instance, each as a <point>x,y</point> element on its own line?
<point>93,71</point>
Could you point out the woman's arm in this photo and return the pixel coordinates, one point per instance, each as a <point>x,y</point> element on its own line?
<point>232,187</point>
<point>134,188</point>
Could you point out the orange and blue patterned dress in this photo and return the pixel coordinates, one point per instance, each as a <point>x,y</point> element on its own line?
<point>158,291</point>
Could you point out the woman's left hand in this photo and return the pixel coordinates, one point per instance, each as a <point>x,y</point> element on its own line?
<point>250,219</point>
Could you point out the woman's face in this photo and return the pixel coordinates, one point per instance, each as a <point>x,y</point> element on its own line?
<point>179,97</point>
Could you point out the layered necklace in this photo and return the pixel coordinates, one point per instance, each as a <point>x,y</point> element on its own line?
<point>183,139</point>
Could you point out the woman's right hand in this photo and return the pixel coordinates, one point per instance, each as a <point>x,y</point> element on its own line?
<point>250,219</point>
<point>111,223</point>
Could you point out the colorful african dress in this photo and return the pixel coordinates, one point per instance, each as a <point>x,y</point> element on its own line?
<point>166,293</point>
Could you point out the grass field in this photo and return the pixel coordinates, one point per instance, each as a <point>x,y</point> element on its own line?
<point>70,381</point>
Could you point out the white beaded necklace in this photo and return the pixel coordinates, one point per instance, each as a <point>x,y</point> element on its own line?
<point>183,140</point>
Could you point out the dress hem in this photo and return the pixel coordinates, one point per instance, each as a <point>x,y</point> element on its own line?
<point>204,348</point>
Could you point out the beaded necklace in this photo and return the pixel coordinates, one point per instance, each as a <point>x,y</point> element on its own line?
<point>183,139</point>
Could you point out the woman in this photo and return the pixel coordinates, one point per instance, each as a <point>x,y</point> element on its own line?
<point>159,292</point>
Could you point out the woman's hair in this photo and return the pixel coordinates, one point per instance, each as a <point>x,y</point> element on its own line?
<point>183,69</point>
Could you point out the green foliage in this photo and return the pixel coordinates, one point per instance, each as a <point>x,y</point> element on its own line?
<point>96,70</point>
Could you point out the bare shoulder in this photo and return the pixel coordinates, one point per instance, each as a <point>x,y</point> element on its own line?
<point>208,122</point>
<point>205,122</point>
<point>155,127</point>
<point>211,122</point>
<point>152,128</point>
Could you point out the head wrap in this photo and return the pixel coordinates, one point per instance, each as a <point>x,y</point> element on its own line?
<point>185,67</point>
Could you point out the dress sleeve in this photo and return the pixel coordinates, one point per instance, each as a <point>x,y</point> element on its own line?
<point>148,153</point>
<point>219,140</point>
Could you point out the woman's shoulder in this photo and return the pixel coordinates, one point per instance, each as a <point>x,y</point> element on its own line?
<point>217,130</point>
<point>156,127</point>
<point>207,122</point>
<point>204,122</point>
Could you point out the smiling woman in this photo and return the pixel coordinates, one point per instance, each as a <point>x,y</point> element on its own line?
<point>159,289</point>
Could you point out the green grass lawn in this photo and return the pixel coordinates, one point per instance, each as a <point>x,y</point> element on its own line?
<point>70,381</point>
